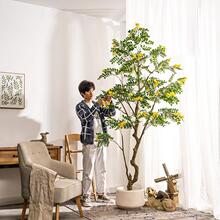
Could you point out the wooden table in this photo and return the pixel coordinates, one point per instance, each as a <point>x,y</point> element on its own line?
<point>9,155</point>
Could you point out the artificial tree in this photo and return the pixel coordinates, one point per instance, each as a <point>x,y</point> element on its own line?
<point>146,91</point>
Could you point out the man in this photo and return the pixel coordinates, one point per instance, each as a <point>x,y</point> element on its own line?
<point>92,115</point>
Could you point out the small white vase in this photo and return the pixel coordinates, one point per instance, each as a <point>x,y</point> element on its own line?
<point>129,199</point>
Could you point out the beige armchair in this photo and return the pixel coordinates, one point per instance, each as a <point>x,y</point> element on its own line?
<point>30,153</point>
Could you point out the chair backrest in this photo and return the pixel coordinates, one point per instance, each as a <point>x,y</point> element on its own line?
<point>73,152</point>
<point>72,146</point>
<point>72,137</point>
<point>29,153</point>
<point>35,152</point>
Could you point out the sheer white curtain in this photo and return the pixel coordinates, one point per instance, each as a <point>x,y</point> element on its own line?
<point>189,30</point>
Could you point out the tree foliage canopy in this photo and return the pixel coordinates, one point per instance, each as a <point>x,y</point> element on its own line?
<point>147,89</point>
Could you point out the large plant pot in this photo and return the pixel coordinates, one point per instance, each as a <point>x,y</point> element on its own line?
<point>129,199</point>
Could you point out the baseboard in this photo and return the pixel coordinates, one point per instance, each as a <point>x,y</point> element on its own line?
<point>111,189</point>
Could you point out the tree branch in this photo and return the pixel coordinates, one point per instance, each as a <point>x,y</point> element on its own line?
<point>145,126</point>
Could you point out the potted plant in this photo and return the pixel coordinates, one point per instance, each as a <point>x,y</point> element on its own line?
<point>146,93</point>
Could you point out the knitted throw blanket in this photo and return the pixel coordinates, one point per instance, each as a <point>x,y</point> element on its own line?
<point>42,193</point>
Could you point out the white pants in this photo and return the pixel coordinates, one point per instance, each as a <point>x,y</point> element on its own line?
<point>94,162</point>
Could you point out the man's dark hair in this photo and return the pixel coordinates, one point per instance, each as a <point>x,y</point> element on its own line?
<point>85,86</point>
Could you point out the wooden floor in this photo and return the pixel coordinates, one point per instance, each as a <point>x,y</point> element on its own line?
<point>103,211</point>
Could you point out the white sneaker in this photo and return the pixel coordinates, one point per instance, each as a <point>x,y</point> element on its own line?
<point>103,198</point>
<point>86,202</point>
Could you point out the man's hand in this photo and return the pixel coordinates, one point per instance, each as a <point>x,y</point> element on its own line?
<point>108,98</point>
<point>104,101</point>
<point>100,102</point>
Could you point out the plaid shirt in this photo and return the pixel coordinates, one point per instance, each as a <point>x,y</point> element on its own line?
<point>86,116</point>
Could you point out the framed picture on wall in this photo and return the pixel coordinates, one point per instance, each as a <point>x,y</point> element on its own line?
<point>12,90</point>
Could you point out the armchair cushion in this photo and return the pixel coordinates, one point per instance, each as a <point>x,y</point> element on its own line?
<point>65,189</point>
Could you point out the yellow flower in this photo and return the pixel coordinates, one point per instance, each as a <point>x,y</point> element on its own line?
<point>182,80</point>
<point>179,115</point>
<point>130,94</point>
<point>155,115</point>
<point>155,83</point>
<point>170,94</point>
<point>139,56</point>
<point>157,93</point>
<point>177,66</point>
<point>122,124</point>
<point>110,93</point>
<point>142,114</point>
<point>137,26</point>
<point>139,98</point>
<point>114,43</point>
<point>114,53</point>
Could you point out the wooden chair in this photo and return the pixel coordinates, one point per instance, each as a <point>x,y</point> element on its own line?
<point>74,140</point>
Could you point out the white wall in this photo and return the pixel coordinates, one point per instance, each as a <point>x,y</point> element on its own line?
<point>55,50</point>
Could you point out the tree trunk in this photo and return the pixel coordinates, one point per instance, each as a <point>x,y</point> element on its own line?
<point>133,180</point>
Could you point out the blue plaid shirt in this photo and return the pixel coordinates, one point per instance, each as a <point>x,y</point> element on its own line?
<point>86,116</point>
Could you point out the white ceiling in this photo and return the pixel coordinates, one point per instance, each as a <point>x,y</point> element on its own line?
<point>101,8</point>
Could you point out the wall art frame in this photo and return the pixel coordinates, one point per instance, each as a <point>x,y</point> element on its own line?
<point>12,90</point>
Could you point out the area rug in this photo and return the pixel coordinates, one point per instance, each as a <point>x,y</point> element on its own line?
<point>109,211</point>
